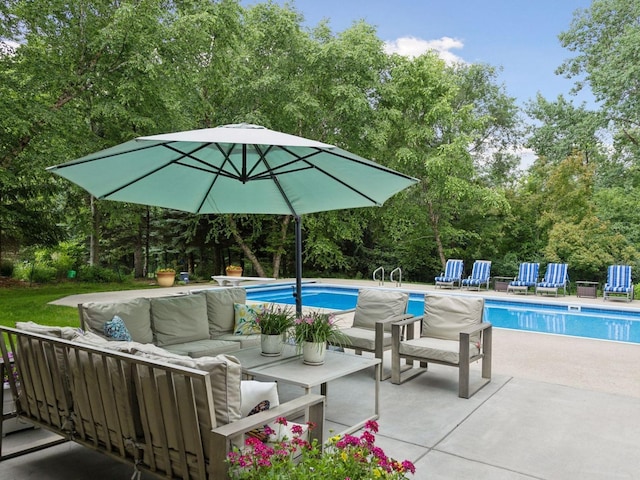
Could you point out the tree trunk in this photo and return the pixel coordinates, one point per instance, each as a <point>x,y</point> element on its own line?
<point>277,256</point>
<point>138,253</point>
<point>434,219</point>
<point>94,238</point>
<point>244,247</point>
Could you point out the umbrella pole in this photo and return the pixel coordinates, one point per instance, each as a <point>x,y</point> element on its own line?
<point>298,293</point>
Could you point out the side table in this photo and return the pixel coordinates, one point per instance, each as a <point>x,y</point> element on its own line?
<point>587,289</point>
<point>500,284</point>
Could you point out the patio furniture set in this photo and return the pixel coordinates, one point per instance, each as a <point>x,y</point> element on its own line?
<point>170,398</point>
<point>556,279</point>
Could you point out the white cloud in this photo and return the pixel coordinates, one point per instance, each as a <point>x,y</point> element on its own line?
<point>413,47</point>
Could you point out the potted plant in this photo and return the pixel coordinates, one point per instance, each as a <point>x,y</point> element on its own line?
<point>311,333</point>
<point>234,270</point>
<point>274,324</point>
<point>166,277</point>
<point>297,459</point>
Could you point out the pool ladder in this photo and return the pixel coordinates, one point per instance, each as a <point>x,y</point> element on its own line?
<point>380,278</point>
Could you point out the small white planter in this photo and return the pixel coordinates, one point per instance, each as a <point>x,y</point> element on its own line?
<point>313,353</point>
<point>8,406</point>
<point>271,345</point>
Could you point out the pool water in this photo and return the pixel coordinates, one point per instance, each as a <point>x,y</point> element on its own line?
<point>573,320</point>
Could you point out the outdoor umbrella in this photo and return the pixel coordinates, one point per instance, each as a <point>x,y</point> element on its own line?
<point>236,169</point>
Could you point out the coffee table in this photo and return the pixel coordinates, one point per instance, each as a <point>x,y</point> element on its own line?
<point>289,368</point>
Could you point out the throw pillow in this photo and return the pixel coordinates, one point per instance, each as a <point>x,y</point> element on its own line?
<point>116,329</point>
<point>259,432</point>
<point>245,318</point>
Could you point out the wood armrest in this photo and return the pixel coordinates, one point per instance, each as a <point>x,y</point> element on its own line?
<point>475,328</point>
<point>260,419</point>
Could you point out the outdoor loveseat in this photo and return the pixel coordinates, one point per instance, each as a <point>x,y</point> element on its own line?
<point>168,414</point>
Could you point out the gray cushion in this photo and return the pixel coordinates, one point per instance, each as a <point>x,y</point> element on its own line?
<point>245,341</point>
<point>446,315</point>
<point>220,308</point>
<point>179,319</point>
<point>203,348</point>
<point>377,305</point>
<point>436,349</point>
<point>365,338</point>
<point>135,313</point>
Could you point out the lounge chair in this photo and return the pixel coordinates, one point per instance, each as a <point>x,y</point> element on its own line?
<point>371,329</point>
<point>618,282</point>
<point>452,274</point>
<point>480,275</point>
<point>527,277</point>
<point>451,333</point>
<point>555,278</point>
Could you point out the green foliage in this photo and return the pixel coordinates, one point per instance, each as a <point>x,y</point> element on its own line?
<point>6,268</point>
<point>34,272</point>
<point>96,274</point>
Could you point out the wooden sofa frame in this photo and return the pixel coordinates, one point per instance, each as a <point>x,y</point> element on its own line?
<point>49,393</point>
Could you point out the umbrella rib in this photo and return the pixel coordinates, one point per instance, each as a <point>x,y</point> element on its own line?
<point>276,180</point>
<point>219,171</point>
<point>102,157</point>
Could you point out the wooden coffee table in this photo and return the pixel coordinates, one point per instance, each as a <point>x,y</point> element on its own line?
<point>288,368</point>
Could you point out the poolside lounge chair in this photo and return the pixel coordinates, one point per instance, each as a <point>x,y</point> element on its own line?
<point>527,277</point>
<point>452,274</point>
<point>480,275</point>
<point>618,282</point>
<point>555,278</point>
<point>371,329</point>
<point>451,333</point>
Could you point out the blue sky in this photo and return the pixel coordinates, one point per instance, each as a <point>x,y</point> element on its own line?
<point>520,36</point>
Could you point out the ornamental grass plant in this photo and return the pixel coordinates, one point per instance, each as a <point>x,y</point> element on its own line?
<point>275,320</point>
<point>343,458</point>
<point>318,327</point>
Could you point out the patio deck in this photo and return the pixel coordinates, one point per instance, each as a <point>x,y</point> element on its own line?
<point>557,408</point>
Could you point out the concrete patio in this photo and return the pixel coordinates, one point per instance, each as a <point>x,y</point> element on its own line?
<point>557,408</point>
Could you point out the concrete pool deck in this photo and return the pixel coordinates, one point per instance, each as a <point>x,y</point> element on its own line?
<point>558,407</point>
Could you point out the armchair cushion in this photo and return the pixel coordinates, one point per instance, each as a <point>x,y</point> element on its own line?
<point>436,349</point>
<point>446,315</point>
<point>377,305</point>
<point>365,338</point>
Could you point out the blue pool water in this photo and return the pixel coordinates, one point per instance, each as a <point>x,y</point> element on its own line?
<point>573,320</point>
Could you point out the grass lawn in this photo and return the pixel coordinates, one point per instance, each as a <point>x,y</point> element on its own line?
<point>22,303</point>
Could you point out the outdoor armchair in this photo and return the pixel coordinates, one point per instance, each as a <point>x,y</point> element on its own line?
<point>452,274</point>
<point>527,277</point>
<point>618,282</point>
<point>452,332</point>
<point>480,275</point>
<point>555,278</point>
<point>375,311</point>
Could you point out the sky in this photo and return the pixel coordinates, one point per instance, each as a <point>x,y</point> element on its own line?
<point>519,36</point>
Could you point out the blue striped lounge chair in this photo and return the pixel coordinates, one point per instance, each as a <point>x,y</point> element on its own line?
<point>452,274</point>
<point>480,275</point>
<point>555,278</point>
<point>527,277</point>
<point>618,282</point>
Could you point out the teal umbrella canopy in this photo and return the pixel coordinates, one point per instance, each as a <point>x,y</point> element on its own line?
<point>234,169</point>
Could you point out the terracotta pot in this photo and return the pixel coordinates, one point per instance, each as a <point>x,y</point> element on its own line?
<point>166,279</point>
<point>234,272</point>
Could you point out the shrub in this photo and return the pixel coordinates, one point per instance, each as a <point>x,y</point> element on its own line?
<point>6,268</point>
<point>34,272</point>
<point>88,273</point>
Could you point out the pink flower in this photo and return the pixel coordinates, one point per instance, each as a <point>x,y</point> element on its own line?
<point>371,425</point>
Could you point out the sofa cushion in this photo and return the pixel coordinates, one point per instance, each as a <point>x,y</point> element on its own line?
<point>245,341</point>
<point>253,392</point>
<point>376,305</point>
<point>179,319</point>
<point>245,318</point>
<point>446,315</point>
<point>117,330</point>
<point>203,348</point>
<point>135,313</point>
<point>220,308</point>
<point>67,333</point>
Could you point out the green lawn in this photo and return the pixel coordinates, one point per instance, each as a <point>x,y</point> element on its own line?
<point>31,303</point>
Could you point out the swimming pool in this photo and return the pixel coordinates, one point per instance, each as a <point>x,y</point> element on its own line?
<point>573,320</point>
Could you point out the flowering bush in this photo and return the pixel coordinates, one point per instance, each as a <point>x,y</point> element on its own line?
<point>319,328</point>
<point>275,320</point>
<point>349,457</point>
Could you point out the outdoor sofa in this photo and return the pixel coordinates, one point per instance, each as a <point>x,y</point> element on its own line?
<point>168,414</point>
<point>199,324</point>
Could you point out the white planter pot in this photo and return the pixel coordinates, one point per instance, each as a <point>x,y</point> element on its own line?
<point>313,353</point>
<point>271,345</point>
